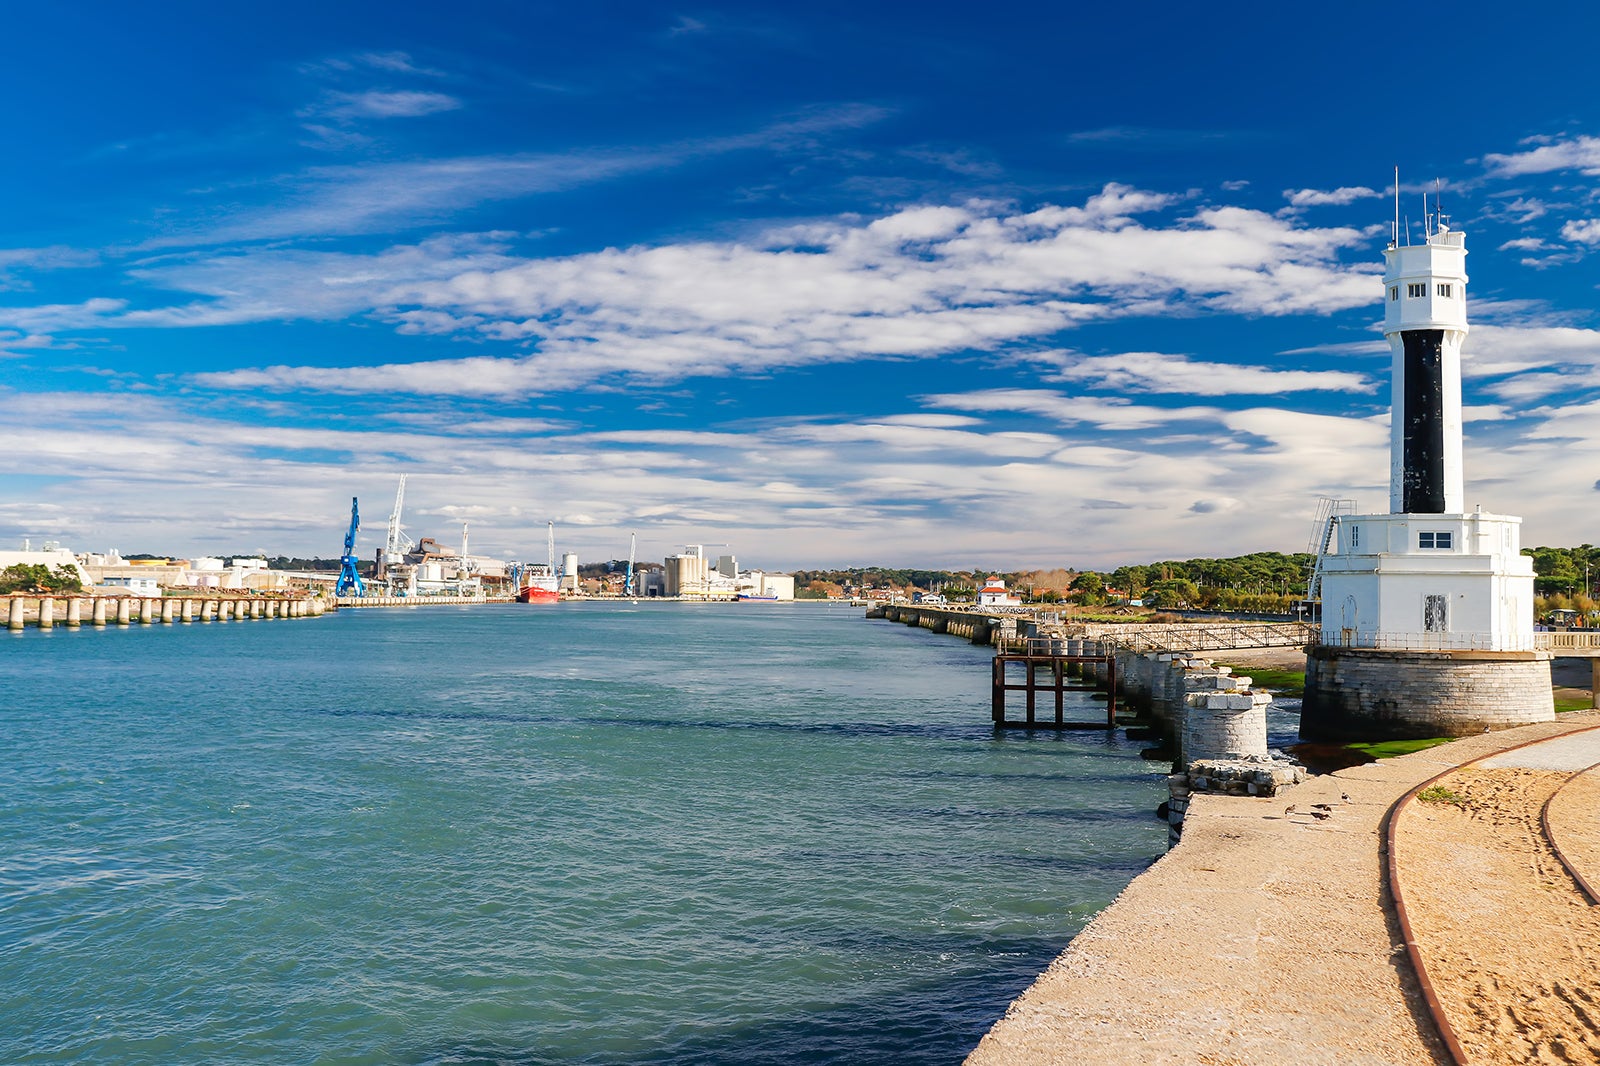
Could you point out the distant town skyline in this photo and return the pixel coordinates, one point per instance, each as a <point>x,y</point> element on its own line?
<point>885,285</point>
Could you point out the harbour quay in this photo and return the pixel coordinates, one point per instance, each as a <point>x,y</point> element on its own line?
<point>45,612</point>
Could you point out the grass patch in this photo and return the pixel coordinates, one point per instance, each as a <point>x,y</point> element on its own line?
<point>1572,703</point>
<point>1388,749</point>
<point>1278,682</point>
<point>1440,794</point>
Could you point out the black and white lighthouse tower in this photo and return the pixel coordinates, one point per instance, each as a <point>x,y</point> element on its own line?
<point>1425,321</point>
<point>1427,611</point>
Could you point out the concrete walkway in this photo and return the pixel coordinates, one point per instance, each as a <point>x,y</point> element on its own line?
<point>1263,938</point>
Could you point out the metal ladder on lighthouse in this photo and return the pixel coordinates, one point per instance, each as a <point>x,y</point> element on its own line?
<point>1328,511</point>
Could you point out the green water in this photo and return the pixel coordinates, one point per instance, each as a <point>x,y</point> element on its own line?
<point>752,833</point>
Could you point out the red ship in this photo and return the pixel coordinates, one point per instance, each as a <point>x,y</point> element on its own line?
<point>539,584</point>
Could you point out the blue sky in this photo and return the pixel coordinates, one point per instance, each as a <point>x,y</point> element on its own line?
<point>949,285</point>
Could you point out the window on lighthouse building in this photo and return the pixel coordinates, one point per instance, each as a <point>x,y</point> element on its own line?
<point>1416,290</point>
<point>1394,292</point>
<point>1444,289</point>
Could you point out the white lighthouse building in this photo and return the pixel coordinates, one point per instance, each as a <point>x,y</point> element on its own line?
<point>1427,611</point>
<point>1429,574</point>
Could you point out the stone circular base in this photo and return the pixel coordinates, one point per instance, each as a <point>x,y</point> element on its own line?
<point>1373,694</point>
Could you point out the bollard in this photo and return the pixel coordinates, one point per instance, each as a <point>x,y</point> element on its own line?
<point>166,611</point>
<point>15,615</point>
<point>124,610</point>
<point>98,617</point>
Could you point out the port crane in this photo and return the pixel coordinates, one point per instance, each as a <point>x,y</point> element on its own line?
<point>349,574</point>
<point>627,582</point>
<point>397,543</point>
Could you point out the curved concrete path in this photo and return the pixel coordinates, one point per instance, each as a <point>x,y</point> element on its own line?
<point>1263,938</point>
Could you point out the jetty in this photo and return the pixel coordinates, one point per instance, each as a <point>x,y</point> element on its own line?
<point>1272,935</point>
<point>46,612</point>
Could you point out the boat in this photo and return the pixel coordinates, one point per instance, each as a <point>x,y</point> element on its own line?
<point>539,584</point>
<point>752,596</point>
<point>538,588</point>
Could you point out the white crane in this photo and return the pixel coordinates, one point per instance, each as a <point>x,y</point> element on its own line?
<point>397,543</point>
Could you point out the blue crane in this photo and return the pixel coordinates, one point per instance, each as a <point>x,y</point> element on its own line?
<point>349,576</point>
<point>627,584</point>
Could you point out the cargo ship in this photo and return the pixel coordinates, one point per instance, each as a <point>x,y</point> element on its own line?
<point>539,584</point>
<point>538,587</point>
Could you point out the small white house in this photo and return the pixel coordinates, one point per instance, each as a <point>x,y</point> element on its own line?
<point>994,594</point>
<point>136,586</point>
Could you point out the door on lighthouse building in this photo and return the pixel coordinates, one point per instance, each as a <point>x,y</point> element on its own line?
<point>1435,614</point>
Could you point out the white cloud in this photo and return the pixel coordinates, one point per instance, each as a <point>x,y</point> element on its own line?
<point>1492,350</point>
<point>1153,372</point>
<point>917,283</point>
<point>1345,194</point>
<point>792,492</point>
<point>51,318</point>
<point>378,197</point>
<point>1522,244</point>
<point>1580,153</point>
<point>1585,231</point>
<point>397,63</point>
<point>1100,412</point>
<point>379,103</point>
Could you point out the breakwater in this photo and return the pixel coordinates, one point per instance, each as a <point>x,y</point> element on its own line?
<point>72,612</point>
<point>1209,721</point>
<point>980,627</point>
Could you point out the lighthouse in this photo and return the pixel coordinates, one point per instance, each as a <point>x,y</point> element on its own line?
<point>1427,611</point>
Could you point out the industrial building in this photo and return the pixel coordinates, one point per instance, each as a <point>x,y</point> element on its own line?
<point>690,575</point>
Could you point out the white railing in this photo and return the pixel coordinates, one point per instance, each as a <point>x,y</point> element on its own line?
<point>1429,641</point>
<point>1568,640</point>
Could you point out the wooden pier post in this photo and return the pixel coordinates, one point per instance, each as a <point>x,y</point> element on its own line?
<point>997,697</point>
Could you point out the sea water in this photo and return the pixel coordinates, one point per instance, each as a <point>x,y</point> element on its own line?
<point>582,833</point>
